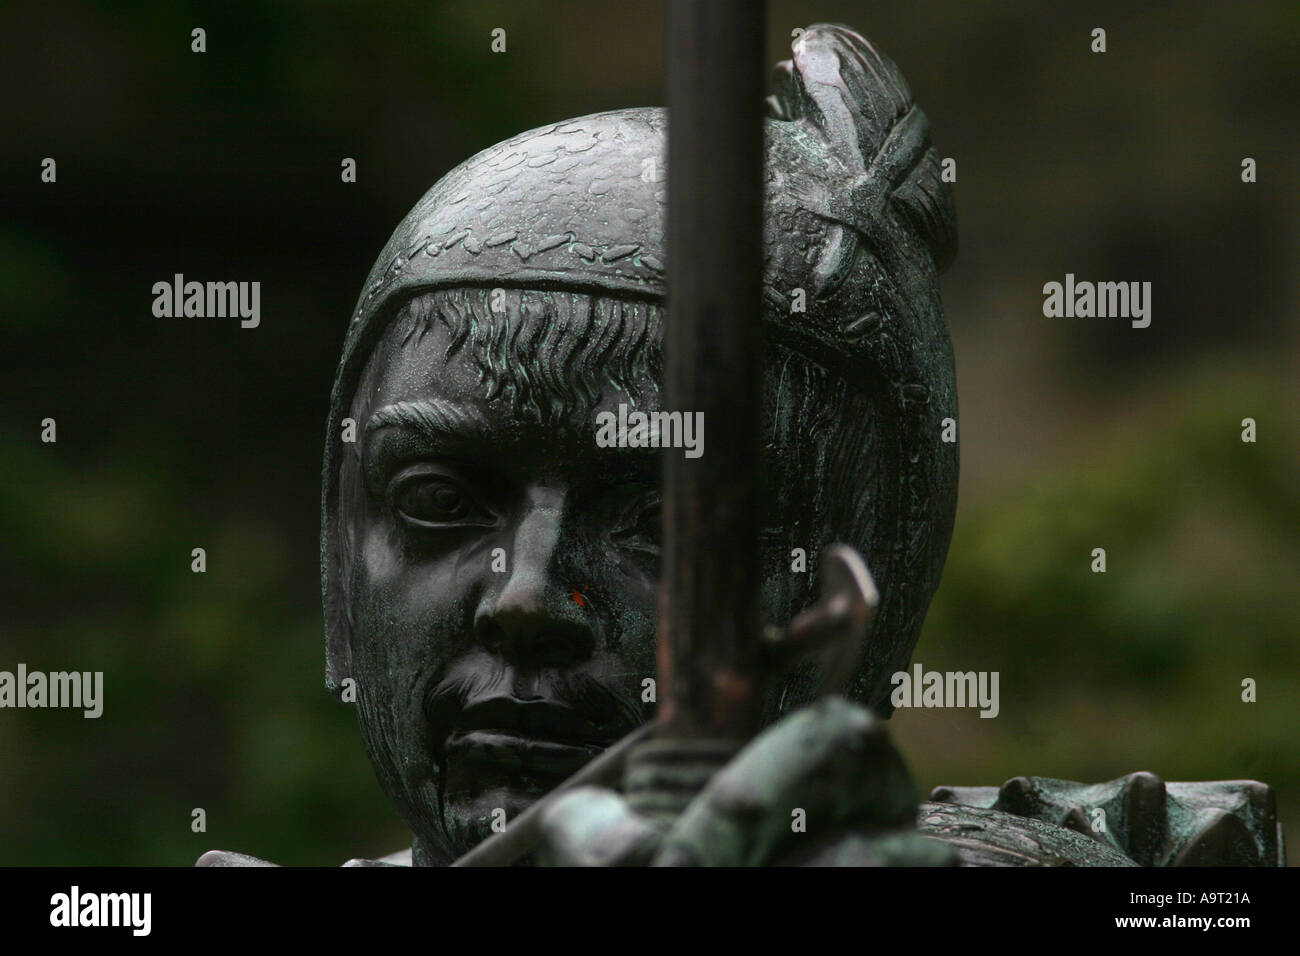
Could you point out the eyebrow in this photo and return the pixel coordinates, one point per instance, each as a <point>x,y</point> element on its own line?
<point>442,423</point>
<point>435,420</point>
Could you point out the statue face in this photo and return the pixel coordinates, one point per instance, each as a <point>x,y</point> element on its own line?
<point>502,574</point>
<point>488,570</point>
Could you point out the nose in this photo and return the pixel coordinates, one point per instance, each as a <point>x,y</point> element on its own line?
<point>527,618</point>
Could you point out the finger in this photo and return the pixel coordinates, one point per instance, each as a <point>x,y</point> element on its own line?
<point>806,777</point>
<point>592,826</point>
<point>230,858</point>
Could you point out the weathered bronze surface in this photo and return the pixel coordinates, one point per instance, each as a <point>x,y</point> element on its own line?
<point>1214,823</point>
<point>476,427</point>
<point>489,572</point>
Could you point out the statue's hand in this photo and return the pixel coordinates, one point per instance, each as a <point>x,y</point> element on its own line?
<point>1214,823</point>
<point>229,858</point>
<point>822,786</point>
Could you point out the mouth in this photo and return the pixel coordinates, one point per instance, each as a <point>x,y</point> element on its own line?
<point>505,750</point>
<point>533,737</point>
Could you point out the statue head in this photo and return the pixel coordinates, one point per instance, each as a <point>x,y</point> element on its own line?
<point>488,569</point>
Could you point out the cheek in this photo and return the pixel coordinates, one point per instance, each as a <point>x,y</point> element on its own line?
<point>633,606</point>
<point>410,616</point>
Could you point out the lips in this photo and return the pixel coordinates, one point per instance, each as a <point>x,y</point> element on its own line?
<point>535,736</point>
<point>503,751</point>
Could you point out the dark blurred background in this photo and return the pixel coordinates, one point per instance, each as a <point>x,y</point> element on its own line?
<point>176,434</point>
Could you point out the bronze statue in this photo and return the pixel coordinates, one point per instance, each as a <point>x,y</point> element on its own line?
<point>489,568</point>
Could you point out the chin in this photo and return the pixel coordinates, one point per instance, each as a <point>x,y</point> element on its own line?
<point>468,820</point>
<point>513,795</point>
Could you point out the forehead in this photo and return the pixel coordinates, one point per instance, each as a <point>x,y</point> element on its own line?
<point>527,364</point>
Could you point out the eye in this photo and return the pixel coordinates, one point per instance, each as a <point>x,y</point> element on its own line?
<point>432,500</point>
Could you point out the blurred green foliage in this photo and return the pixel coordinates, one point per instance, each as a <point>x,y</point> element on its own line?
<point>214,692</point>
<point>1140,667</point>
